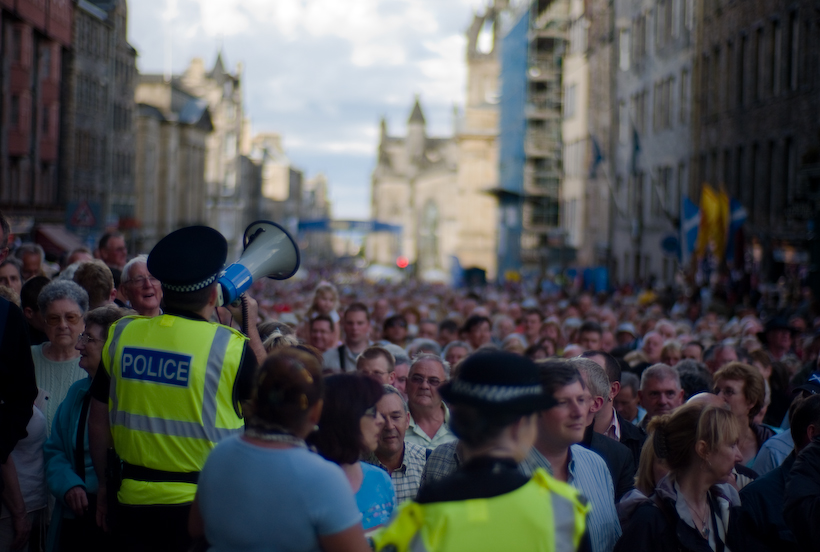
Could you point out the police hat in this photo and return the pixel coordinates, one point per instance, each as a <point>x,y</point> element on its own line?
<point>188,259</point>
<point>500,381</point>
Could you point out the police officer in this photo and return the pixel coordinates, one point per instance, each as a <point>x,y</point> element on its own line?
<point>488,505</point>
<point>168,390</point>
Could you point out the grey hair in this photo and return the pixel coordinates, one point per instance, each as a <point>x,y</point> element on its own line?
<point>29,247</point>
<point>126,270</point>
<point>630,380</point>
<point>434,358</point>
<point>596,377</point>
<point>15,263</point>
<point>68,272</point>
<point>62,289</point>
<point>498,319</point>
<point>390,390</point>
<point>425,345</point>
<point>453,344</point>
<point>398,353</point>
<point>660,372</point>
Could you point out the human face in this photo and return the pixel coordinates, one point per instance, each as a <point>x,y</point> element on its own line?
<point>78,257</point>
<point>693,352</point>
<point>381,309</point>
<point>780,339</point>
<point>652,346</point>
<point>64,322</point>
<point>532,325</point>
<point>660,396</point>
<point>505,327</point>
<point>670,357</point>
<point>31,265</point>
<point>325,302</point>
<point>480,334</point>
<point>607,342</point>
<point>396,333</point>
<point>143,291</point>
<point>667,331</point>
<point>396,422</point>
<point>357,328</point>
<point>90,345</point>
<point>455,354</point>
<point>423,383</point>
<point>731,391</point>
<point>428,330</point>
<point>370,426</point>
<point>564,424</point>
<point>321,335</point>
<point>400,378</point>
<point>377,368</point>
<point>115,253</point>
<point>721,461</point>
<point>590,341</point>
<point>10,277</point>
<point>626,403</point>
<point>724,356</point>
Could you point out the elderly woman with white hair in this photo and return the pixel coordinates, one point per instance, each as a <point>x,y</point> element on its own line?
<point>56,362</point>
<point>143,291</point>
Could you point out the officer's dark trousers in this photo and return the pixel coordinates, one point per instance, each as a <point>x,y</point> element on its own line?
<point>153,528</point>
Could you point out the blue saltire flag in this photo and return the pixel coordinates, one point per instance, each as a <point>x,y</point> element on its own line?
<point>690,223</point>
<point>737,216</point>
<point>597,157</point>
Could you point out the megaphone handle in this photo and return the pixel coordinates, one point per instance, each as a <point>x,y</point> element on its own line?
<point>244,313</point>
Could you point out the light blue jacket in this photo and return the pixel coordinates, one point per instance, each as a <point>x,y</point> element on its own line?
<point>59,458</point>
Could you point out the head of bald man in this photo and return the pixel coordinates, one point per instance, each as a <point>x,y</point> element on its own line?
<point>709,399</point>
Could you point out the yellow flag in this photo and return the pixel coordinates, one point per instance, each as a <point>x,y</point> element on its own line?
<point>714,221</point>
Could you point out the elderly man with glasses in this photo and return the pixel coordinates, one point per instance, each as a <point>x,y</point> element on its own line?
<point>429,415</point>
<point>143,291</point>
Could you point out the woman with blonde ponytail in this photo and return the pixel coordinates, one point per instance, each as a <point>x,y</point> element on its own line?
<point>691,508</point>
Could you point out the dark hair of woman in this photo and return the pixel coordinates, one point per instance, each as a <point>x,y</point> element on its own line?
<point>287,385</point>
<point>347,398</point>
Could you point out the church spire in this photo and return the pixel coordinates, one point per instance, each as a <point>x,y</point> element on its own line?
<point>417,116</point>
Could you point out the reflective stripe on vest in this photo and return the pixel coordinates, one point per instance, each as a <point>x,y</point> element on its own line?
<point>170,398</point>
<point>544,515</point>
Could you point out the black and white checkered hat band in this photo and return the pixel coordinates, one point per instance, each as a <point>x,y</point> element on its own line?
<point>494,393</point>
<point>189,288</point>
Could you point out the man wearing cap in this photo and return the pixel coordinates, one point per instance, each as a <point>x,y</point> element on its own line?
<point>777,338</point>
<point>495,400</point>
<point>169,388</point>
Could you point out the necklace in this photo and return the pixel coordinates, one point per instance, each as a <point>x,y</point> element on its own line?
<point>704,531</point>
<point>286,438</point>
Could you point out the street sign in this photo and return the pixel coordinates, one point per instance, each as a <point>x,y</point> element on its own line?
<point>83,215</point>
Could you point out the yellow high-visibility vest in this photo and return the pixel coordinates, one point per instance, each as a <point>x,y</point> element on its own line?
<point>545,515</point>
<point>171,398</point>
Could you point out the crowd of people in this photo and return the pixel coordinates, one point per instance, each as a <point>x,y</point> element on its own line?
<point>329,413</point>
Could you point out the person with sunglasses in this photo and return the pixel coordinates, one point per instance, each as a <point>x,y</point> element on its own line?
<point>63,304</point>
<point>349,431</point>
<point>69,472</point>
<point>429,416</point>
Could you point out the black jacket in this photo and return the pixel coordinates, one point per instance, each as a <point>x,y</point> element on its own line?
<point>18,387</point>
<point>761,511</point>
<point>651,529</point>
<point>618,459</point>
<point>802,506</point>
<point>632,437</point>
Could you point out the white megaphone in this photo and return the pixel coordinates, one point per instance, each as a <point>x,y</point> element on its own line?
<point>269,251</point>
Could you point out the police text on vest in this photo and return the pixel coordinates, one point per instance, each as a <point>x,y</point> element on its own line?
<point>155,366</point>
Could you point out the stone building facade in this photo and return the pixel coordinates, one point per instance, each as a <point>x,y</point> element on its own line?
<point>756,122</point>
<point>36,34</point>
<point>98,124</point>
<point>656,50</point>
<point>172,132</point>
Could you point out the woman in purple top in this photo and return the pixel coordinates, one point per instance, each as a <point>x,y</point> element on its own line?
<point>349,429</point>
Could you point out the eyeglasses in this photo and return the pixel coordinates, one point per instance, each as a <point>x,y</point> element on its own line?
<point>371,412</point>
<point>71,318</point>
<point>85,339</point>
<point>419,379</point>
<point>139,281</point>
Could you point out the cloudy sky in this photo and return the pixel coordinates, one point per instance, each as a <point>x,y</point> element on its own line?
<point>321,72</point>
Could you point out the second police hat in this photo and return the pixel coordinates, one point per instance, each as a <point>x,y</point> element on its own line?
<point>188,259</point>
<point>498,380</point>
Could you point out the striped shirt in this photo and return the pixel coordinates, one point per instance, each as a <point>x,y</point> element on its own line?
<point>407,477</point>
<point>587,472</point>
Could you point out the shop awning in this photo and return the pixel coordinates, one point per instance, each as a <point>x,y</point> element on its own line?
<point>56,239</point>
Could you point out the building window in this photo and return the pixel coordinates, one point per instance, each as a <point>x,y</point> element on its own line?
<point>623,123</point>
<point>624,49</point>
<point>742,94</point>
<point>14,116</point>
<point>570,102</point>
<point>47,121</point>
<point>45,60</point>
<point>777,39</point>
<point>682,185</point>
<point>17,45</point>
<point>793,50</point>
<point>684,96</point>
<point>758,64</point>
